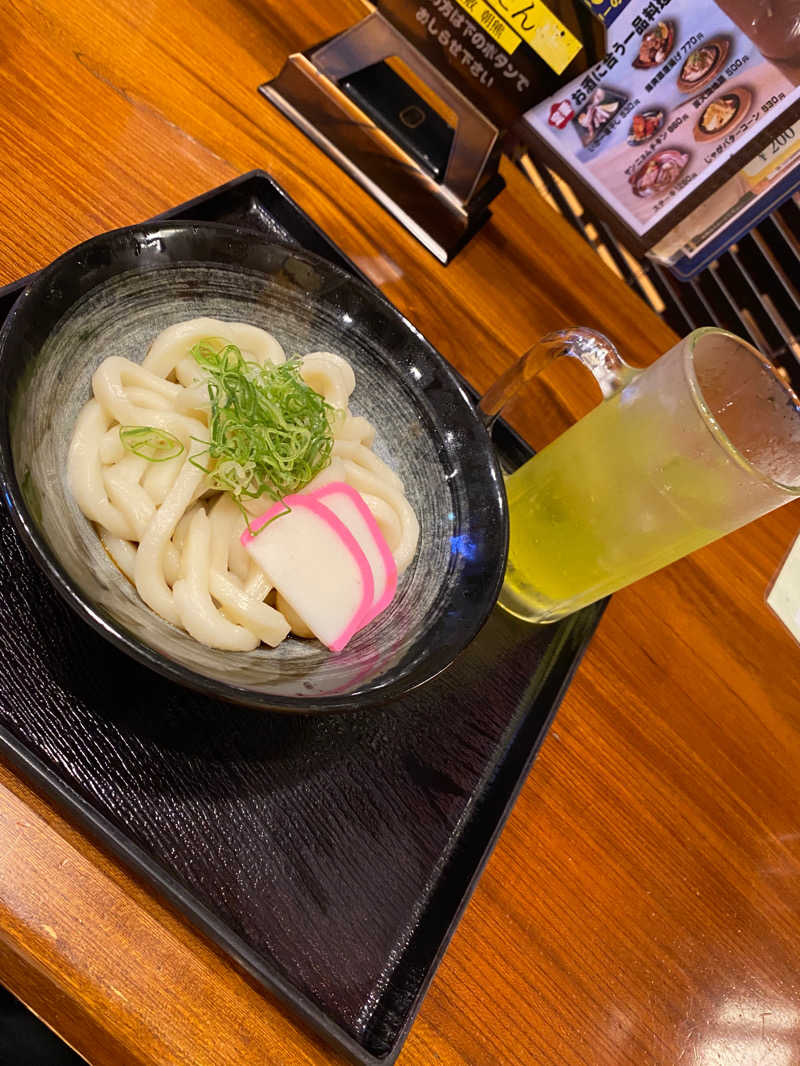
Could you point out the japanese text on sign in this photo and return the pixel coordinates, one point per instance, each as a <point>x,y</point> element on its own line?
<point>498,30</point>
<point>480,56</point>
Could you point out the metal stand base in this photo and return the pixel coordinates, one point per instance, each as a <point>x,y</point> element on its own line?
<point>315,90</point>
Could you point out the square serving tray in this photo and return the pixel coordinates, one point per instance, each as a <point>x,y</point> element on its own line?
<point>330,857</point>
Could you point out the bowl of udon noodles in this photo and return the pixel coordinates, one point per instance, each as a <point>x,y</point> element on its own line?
<point>138,529</point>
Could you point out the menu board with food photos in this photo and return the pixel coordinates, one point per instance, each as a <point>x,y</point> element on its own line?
<point>679,96</point>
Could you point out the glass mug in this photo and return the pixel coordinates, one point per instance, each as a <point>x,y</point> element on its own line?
<point>701,442</point>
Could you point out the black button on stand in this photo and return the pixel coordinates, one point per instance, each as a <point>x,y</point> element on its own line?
<point>402,113</point>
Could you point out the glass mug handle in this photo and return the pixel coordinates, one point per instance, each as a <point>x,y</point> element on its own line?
<point>595,351</point>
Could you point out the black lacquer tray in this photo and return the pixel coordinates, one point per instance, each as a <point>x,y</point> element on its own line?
<point>330,857</point>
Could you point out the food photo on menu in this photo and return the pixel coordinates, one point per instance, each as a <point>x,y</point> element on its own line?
<point>681,89</point>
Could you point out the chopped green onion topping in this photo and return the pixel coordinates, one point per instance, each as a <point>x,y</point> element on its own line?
<point>270,432</point>
<point>155,445</point>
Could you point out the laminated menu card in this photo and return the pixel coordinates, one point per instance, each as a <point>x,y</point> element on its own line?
<point>687,92</point>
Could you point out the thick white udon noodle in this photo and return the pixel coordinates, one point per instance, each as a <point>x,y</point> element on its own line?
<point>163,525</point>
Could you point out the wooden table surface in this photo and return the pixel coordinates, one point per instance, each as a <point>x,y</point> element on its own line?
<point>643,903</point>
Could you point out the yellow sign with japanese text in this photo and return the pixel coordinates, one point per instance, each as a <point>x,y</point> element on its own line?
<point>541,29</point>
<point>497,29</point>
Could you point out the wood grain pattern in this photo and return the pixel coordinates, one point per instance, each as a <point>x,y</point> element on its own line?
<point>642,904</point>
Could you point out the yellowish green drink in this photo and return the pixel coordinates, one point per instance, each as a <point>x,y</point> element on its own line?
<point>593,512</point>
<point>703,441</point>
<point>647,477</point>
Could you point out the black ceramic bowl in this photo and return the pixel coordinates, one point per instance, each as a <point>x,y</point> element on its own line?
<point>114,294</point>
